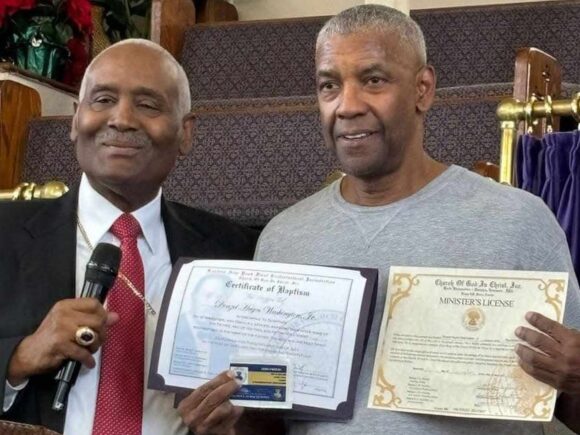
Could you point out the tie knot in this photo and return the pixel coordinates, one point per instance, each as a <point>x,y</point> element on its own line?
<point>126,226</point>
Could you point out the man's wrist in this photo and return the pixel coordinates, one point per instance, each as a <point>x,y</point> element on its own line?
<point>17,374</point>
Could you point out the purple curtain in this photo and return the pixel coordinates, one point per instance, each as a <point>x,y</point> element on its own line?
<point>550,168</point>
<point>530,164</point>
<point>569,209</point>
<point>557,167</point>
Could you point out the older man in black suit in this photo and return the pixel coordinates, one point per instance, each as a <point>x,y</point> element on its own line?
<point>132,122</point>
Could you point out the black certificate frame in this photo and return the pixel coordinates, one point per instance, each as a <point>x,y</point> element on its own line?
<point>344,410</point>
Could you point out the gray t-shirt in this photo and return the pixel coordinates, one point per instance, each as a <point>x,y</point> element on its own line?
<point>460,220</point>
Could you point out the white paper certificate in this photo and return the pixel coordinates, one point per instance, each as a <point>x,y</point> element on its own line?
<point>447,342</point>
<point>220,310</point>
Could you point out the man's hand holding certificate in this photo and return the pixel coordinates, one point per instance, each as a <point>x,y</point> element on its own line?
<point>448,343</point>
<point>271,323</point>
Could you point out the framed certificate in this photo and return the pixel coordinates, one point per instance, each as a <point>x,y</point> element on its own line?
<point>446,344</point>
<point>217,311</point>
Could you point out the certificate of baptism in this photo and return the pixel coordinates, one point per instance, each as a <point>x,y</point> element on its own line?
<point>447,341</point>
<point>219,312</point>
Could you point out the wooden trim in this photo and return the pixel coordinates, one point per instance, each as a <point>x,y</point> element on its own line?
<point>11,68</point>
<point>313,107</point>
<point>18,105</point>
<point>264,22</point>
<point>486,169</point>
<point>214,11</point>
<point>537,75</point>
<point>443,101</point>
<point>308,108</point>
<point>169,20</point>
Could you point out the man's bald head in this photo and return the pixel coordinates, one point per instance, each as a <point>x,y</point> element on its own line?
<point>376,18</point>
<point>174,68</point>
<point>132,122</point>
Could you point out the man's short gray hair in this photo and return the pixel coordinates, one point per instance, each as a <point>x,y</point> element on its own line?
<point>364,18</point>
<point>183,93</point>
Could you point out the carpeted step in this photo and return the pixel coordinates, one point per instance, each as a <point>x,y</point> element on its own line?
<point>250,164</point>
<point>471,45</point>
<point>467,45</point>
<point>50,153</point>
<point>251,59</point>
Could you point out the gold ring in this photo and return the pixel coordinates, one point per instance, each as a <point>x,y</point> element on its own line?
<point>85,336</point>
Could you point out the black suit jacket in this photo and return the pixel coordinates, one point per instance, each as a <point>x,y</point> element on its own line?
<point>37,269</point>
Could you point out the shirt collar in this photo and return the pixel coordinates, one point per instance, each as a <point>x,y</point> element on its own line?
<point>97,214</point>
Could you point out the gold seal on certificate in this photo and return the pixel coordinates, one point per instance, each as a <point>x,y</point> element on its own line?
<point>446,344</point>
<point>474,318</point>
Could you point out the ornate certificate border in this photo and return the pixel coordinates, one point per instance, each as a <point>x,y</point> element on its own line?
<point>402,284</point>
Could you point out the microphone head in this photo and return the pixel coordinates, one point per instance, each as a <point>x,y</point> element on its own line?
<point>103,266</point>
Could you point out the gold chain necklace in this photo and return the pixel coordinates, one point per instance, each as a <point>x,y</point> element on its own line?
<point>121,275</point>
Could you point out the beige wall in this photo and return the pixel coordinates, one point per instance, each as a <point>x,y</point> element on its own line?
<point>427,4</point>
<point>270,9</point>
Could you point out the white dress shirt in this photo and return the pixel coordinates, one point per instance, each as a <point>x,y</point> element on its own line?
<point>96,215</point>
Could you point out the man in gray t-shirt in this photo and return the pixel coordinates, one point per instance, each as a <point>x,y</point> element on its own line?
<point>398,206</point>
<point>459,219</point>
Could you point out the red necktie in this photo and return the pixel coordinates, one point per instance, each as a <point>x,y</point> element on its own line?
<point>119,407</point>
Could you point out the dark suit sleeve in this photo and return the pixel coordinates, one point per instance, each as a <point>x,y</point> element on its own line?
<point>7,346</point>
<point>10,335</point>
<point>36,270</point>
<point>9,264</point>
<point>199,234</point>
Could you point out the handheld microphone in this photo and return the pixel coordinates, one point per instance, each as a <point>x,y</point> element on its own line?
<point>100,275</point>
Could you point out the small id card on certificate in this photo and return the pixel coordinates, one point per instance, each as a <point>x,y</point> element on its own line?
<point>264,384</point>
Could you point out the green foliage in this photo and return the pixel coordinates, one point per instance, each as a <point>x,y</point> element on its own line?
<point>48,19</point>
<point>124,19</point>
<point>38,35</point>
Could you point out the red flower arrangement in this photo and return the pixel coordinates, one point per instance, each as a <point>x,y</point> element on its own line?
<point>79,12</point>
<point>8,7</point>
<point>49,37</point>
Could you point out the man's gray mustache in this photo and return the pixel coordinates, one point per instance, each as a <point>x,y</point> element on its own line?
<point>132,138</point>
